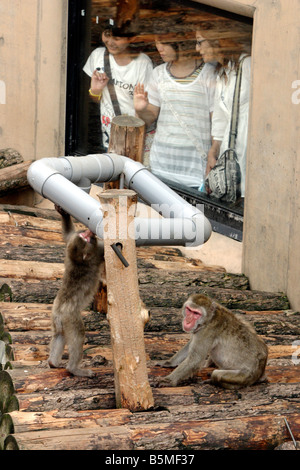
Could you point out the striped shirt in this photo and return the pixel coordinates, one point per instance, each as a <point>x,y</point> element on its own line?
<point>183,134</point>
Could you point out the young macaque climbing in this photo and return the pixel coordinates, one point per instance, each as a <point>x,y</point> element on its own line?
<point>218,337</point>
<point>83,263</point>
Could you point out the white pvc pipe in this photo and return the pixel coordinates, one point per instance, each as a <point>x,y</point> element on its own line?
<point>67,180</point>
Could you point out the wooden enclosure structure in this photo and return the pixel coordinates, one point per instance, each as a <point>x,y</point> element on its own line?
<point>57,411</point>
<point>32,120</point>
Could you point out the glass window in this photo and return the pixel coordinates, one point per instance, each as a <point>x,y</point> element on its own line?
<point>193,99</point>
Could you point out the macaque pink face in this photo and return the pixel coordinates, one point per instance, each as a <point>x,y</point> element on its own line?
<point>192,318</point>
<point>87,236</point>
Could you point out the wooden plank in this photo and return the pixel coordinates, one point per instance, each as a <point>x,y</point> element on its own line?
<point>12,235</point>
<point>32,421</point>
<point>94,438</point>
<point>34,380</point>
<point>31,270</point>
<point>231,298</point>
<point>254,433</point>
<point>36,316</point>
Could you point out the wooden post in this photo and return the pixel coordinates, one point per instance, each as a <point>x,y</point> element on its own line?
<point>127,138</point>
<point>132,388</point>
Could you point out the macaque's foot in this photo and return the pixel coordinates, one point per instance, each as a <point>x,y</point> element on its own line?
<point>82,372</point>
<point>164,382</point>
<point>53,365</point>
<point>164,364</point>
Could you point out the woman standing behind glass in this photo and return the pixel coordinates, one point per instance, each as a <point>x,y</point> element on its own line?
<point>226,54</point>
<point>180,95</point>
<point>127,69</point>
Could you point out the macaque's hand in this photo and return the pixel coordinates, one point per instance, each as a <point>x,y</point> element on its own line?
<point>98,82</point>
<point>140,98</point>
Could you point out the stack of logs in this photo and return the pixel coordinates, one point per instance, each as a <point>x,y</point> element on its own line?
<point>57,411</point>
<point>13,172</point>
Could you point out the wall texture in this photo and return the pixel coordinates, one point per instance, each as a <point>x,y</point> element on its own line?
<point>33,69</point>
<point>271,255</point>
<point>271,247</point>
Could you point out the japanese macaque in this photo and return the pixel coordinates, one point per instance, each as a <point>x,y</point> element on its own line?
<point>83,263</point>
<point>218,337</point>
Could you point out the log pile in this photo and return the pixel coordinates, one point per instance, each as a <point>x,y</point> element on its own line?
<point>13,172</point>
<point>53,410</point>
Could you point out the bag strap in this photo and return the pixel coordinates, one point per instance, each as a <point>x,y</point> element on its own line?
<point>236,106</point>
<point>110,84</point>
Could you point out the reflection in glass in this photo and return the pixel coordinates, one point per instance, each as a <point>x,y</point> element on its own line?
<point>194,51</point>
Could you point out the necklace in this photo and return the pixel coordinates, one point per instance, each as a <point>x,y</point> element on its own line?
<point>170,64</point>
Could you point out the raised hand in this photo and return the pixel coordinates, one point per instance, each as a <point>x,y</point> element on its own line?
<point>98,82</point>
<point>140,98</point>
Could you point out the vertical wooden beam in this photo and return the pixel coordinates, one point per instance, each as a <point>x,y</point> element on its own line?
<point>127,137</point>
<point>132,388</point>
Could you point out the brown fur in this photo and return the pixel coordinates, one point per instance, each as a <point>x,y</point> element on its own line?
<point>83,260</point>
<point>217,336</point>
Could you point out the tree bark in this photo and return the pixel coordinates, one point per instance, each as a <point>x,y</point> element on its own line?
<point>9,157</point>
<point>13,178</point>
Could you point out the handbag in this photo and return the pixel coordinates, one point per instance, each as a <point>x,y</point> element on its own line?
<point>224,180</point>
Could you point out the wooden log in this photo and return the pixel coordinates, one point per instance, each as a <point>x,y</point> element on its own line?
<point>14,178</point>
<point>32,421</point>
<point>31,211</point>
<point>170,296</point>
<point>9,157</point>
<point>242,433</point>
<point>36,316</point>
<point>6,428</point>
<point>28,235</point>
<point>34,346</point>
<point>47,253</point>
<point>230,298</point>
<point>94,438</point>
<point>127,137</point>
<point>124,306</point>
<point>32,290</point>
<point>8,400</point>
<point>164,277</point>
<point>31,270</point>
<point>36,380</point>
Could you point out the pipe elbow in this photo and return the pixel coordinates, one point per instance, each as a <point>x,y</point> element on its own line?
<point>39,172</point>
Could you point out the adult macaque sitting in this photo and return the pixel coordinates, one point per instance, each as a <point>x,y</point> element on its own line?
<point>218,336</point>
